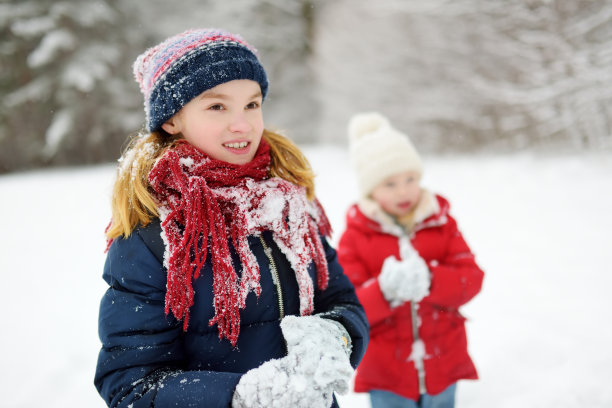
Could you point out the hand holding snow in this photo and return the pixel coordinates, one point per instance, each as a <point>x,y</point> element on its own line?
<point>322,353</point>
<point>316,365</point>
<point>404,280</point>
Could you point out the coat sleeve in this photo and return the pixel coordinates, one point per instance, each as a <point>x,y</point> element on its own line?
<point>376,307</point>
<point>456,278</point>
<point>339,302</point>
<point>141,362</point>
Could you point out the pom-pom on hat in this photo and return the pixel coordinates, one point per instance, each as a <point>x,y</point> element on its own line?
<point>377,150</point>
<point>174,72</point>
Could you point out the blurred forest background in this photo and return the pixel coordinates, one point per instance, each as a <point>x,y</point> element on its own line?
<point>456,75</point>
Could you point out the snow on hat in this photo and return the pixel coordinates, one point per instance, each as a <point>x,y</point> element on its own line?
<point>177,70</point>
<point>377,150</point>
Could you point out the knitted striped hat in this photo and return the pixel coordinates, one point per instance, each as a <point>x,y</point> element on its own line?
<point>174,72</point>
<point>377,150</point>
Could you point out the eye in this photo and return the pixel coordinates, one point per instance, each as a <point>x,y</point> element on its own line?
<point>253,105</point>
<point>216,107</point>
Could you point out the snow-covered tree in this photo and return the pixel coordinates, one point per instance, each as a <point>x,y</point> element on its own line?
<point>470,73</point>
<point>66,99</point>
<point>451,73</point>
<point>66,78</point>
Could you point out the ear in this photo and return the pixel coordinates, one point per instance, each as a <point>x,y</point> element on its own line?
<point>172,126</point>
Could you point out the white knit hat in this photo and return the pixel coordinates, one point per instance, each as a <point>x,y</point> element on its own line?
<point>378,150</point>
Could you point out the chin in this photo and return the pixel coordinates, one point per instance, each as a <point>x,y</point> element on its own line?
<point>401,213</point>
<point>240,161</point>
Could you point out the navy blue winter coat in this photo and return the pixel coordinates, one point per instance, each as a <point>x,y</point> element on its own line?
<point>147,360</point>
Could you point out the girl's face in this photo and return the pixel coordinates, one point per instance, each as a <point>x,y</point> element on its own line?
<point>225,122</point>
<point>398,194</point>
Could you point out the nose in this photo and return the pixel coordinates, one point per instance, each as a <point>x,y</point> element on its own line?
<point>240,123</point>
<point>404,190</point>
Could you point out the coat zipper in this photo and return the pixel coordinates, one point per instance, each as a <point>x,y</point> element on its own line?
<point>419,360</point>
<point>275,277</point>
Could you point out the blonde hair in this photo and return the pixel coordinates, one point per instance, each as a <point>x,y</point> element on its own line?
<point>133,203</point>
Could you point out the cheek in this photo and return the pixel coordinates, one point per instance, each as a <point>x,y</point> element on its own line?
<point>416,194</point>
<point>257,133</point>
<point>258,125</point>
<point>384,201</point>
<point>387,206</point>
<point>203,131</point>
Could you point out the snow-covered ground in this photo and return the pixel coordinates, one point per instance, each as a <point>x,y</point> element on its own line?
<point>540,332</point>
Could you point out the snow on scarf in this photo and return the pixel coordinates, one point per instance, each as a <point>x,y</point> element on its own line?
<point>203,201</point>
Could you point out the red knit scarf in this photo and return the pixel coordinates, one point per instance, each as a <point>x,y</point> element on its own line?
<point>203,201</point>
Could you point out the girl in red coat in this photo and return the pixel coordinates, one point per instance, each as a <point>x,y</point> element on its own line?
<point>412,270</point>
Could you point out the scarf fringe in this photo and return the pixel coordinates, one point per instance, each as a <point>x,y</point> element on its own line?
<point>202,202</point>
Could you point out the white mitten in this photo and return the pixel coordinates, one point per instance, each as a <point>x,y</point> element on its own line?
<point>405,280</point>
<point>317,364</point>
<point>323,350</point>
<point>264,386</point>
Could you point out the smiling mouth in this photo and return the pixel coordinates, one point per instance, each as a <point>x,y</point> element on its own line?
<point>238,145</point>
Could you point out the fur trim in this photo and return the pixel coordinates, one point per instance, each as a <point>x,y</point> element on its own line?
<point>426,207</point>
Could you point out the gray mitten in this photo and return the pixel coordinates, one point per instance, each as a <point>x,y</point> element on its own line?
<point>404,280</point>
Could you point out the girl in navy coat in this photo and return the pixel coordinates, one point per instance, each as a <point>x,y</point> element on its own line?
<point>223,291</point>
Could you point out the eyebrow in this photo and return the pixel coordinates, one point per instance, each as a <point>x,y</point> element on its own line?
<point>214,95</point>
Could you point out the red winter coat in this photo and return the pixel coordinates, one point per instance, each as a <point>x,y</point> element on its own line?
<point>455,279</point>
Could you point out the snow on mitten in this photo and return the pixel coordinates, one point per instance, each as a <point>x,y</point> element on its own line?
<point>317,364</point>
<point>415,285</point>
<point>321,347</point>
<point>263,386</point>
<point>404,280</point>
<point>277,384</point>
<point>390,278</point>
